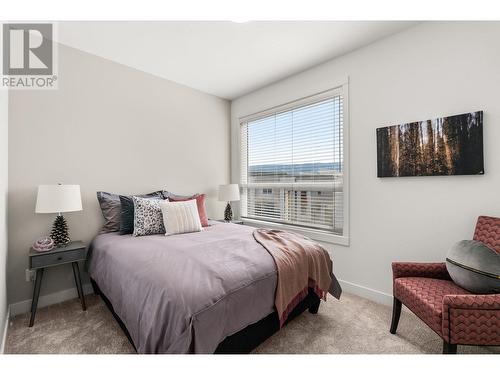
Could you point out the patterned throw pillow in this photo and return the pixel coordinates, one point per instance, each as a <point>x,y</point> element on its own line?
<point>148,218</point>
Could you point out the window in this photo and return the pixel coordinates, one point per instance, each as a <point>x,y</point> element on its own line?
<point>292,164</point>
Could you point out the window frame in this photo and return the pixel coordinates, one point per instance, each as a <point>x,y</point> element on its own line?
<point>317,234</point>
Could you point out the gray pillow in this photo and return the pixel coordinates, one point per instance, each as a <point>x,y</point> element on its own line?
<point>110,207</point>
<point>474,266</point>
<point>127,211</point>
<point>169,194</point>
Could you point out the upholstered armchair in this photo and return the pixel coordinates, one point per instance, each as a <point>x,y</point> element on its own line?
<point>456,315</point>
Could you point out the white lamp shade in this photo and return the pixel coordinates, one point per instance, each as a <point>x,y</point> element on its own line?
<point>228,193</point>
<point>58,198</point>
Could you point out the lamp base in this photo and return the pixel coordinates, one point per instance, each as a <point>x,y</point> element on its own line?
<point>59,232</point>
<point>228,212</point>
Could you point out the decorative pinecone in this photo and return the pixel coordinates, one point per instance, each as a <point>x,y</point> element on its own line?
<point>59,232</point>
<point>228,213</point>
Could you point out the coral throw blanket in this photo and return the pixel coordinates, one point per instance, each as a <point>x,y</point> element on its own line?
<point>301,263</point>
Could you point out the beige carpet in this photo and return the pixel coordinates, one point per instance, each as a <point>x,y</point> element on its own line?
<point>352,325</point>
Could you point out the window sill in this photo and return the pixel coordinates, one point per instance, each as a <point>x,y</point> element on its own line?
<point>317,235</point>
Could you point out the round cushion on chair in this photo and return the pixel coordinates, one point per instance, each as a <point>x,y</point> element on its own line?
<point>474,266</point>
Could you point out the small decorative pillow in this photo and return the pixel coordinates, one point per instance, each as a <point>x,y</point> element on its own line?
<point>180,217</point>
<point>147,217</point>
<point>474,266</point>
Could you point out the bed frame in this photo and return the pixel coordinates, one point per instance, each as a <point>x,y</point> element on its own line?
<point>248,338</point>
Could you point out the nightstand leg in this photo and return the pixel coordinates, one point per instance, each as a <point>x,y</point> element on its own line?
<point>78,281</point>
<point>36,293</point>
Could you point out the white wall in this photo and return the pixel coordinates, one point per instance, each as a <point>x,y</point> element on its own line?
<point>4,100</point>
<point>431,70</point>
<point>108,127</point>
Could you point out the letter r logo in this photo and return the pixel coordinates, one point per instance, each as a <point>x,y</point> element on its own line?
<point>27,49</point>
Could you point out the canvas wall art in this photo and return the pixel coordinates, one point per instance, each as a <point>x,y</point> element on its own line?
<point>444,146</point>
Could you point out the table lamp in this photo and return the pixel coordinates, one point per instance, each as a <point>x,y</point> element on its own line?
<point>229,193</point>
<point>58,199</point>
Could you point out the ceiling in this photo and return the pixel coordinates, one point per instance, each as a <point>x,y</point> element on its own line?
<point>223,58</point>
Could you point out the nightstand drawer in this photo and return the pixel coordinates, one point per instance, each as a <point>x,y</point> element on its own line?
<point>53,259</point>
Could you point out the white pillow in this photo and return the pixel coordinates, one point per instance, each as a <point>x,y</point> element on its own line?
<point>180,217</point>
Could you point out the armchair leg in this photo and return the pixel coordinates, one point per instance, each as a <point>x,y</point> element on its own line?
<point>396,313</point>
<point>449,348</point>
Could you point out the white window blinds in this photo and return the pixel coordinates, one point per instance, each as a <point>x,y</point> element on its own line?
<point>292,164</point>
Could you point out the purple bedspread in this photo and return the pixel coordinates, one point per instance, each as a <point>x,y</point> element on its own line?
<point>185,293</point>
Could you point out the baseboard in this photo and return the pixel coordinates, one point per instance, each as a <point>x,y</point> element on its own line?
<point>64,295</point>
<point>365,292</point>
<point>48,299</point>
<point>4,334</point>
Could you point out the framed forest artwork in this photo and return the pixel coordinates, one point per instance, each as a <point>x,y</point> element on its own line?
<point>444,146</point>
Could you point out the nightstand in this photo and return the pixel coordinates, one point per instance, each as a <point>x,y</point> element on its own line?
<point>240,222</point>
<point>71,253</point>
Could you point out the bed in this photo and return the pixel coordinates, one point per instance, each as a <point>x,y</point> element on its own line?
<point>206,292</point>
